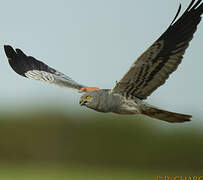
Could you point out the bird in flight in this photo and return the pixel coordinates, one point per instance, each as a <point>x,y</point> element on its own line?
<point>145,75</point>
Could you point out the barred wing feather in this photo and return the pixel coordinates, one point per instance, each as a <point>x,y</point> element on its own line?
<point>155,65</point>
<point>32,68</point>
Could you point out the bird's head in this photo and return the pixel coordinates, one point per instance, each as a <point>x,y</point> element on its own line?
<point>99,100</point>
<point>90,99</point>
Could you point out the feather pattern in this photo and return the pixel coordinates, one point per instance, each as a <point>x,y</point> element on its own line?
<point>155,65</point>
<point>32,68</point>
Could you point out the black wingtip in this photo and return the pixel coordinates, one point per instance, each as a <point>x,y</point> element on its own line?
<point>9,51</point>
<point>20,52</point>
<point>178,12</point>
<point>15,60</point>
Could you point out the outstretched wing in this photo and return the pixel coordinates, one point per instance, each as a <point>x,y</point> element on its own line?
<point>155,65</point>
<point>29,67</point>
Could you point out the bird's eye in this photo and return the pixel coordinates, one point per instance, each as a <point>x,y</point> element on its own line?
<point>88,97</point>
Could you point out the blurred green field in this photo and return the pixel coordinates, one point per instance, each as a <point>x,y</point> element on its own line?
<point>47,172</point>
<point>51,145</point>
<point>64,173</point>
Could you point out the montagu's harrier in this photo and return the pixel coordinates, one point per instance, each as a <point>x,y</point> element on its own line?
<point>146,74</point>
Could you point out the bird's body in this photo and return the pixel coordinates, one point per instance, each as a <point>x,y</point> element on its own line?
<point>146,74</point>
<point>104,100</point>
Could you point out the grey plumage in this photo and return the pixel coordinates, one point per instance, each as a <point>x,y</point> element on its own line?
<point>101,100</point>
<point>146,74</point>
<point>105,101</point>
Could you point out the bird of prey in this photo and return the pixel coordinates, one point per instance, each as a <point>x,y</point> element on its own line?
<point>145,75</point>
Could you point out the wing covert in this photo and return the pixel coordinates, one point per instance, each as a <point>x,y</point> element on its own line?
<point>155,65</point>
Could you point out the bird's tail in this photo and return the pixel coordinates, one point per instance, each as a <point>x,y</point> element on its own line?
<point>163,115</point>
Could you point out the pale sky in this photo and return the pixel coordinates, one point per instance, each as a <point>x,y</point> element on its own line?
<point>94,42</point>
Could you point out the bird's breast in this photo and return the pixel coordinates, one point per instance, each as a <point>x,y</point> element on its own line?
<point>128,106</point>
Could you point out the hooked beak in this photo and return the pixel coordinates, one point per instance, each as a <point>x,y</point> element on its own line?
<point>82,102</point>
